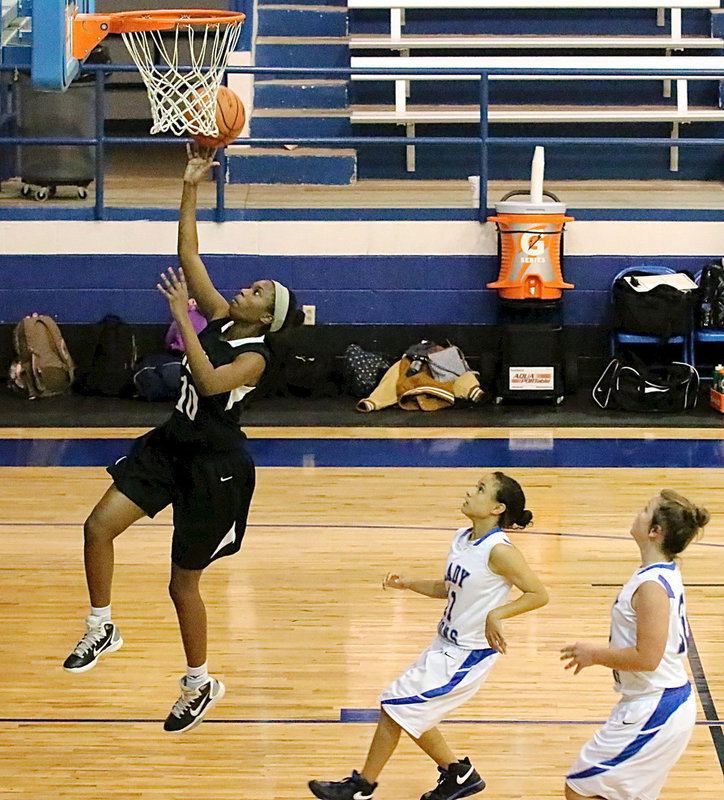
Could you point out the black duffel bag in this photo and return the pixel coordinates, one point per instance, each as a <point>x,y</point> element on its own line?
<point>662,311</point>
<point>631,385</point>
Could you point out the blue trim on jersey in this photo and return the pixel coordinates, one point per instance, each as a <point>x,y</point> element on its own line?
<point>475,658</point>
<point>670,700</point>
<point>624,755</point>
<point>489,533</point>
<point>665,565</point>
<point>666,586</point>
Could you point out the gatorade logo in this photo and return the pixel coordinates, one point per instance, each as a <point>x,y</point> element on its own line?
<point>533,244</point>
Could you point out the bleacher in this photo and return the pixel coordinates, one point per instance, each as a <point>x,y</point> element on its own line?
<point>397,9</point>
<point>426,35</point>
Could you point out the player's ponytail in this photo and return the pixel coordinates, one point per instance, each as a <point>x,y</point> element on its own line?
<point>680,519</point>
<point>509,492</point>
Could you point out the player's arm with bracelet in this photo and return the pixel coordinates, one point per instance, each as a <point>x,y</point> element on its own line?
<point>651,604</point>
<point>430,588</point>
<point>210,301</point>
<point>508,562</point>
<point>245,370</point>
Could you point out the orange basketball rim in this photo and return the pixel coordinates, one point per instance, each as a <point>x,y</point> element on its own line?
<point>91,29</point>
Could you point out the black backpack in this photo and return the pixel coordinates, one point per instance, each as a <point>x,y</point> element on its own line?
<point>158,377</point>
<point>627,384</point>
<point>362,370</point>
<point>710,306</point>
<point>662,311</point>
<point>113,360</point>
<point>298,374</point>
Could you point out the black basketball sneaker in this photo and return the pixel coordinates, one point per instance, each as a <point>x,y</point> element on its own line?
<point>192,706</point>
<point>458,780</point>
<point>353,788</point>
<point>101,637</point>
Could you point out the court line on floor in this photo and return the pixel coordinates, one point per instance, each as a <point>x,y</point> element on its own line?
<point>705,698</point>
<point>383,432</point>
<point>282,721</point>
<point>694,585</point>
<point>311,525</point>
<point>378,453</point>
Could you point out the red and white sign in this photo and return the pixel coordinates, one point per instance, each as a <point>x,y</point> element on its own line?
<point>531,379</point>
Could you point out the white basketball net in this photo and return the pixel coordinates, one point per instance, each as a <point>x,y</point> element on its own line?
<point>183,102</point>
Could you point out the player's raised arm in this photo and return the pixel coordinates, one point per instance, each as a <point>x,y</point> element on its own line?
<point>210,301</point>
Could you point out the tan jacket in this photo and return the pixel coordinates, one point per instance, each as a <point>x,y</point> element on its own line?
<point>420,392</point>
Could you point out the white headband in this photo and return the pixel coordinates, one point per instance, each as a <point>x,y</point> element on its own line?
<point>281,306</point>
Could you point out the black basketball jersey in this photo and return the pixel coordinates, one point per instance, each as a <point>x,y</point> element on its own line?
<point>212,422</point>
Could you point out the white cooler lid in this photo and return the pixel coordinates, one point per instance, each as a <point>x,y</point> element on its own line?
<point>527,207</point>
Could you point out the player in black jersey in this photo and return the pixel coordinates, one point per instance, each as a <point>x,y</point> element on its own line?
<point>195,461</point>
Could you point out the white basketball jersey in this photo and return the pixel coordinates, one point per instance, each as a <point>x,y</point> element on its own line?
<point>473,589</point>
<point>671,671</point>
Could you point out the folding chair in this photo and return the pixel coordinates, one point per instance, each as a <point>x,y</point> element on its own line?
<point>619,338</point>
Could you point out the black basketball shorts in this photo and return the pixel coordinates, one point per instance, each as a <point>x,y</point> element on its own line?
<point>210,493</point>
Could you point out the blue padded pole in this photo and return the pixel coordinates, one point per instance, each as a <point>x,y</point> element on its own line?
<point>100,86</point>
<point>220,175</point>
<point>484,131</point>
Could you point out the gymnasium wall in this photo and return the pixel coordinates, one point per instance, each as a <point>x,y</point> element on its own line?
<point>373,272</point>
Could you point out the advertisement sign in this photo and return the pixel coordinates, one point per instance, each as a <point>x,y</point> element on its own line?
<point>531,379</point>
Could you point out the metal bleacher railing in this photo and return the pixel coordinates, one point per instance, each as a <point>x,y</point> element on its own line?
<point>483,139</point>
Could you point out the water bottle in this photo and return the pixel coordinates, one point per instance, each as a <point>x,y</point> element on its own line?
<point>718,379</point>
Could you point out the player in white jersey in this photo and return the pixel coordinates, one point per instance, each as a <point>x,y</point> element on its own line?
<point>648,730</point>
<point>481,567</point>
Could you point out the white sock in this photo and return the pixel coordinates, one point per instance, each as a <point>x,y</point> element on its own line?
<point>104,614</point>
<point>197,676</point>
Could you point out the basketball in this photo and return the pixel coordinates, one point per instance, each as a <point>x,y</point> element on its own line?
<point>230,119</point>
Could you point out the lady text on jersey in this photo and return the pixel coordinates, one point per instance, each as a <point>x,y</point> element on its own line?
<point>473,589</point>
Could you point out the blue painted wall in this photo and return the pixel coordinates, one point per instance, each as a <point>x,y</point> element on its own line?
<point>380,290</point>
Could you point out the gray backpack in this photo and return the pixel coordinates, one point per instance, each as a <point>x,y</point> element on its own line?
<point>42,366</point>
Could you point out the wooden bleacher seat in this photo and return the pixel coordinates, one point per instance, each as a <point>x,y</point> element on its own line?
<point>398,7</point>
<point>574,67</point>
<point>515,68</point>
<point>537,114</point>
<point>457,41</point>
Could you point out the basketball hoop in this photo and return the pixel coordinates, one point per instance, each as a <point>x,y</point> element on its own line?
<point>182,96</point>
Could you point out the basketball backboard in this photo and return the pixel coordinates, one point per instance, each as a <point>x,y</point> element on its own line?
<point>37,36</point>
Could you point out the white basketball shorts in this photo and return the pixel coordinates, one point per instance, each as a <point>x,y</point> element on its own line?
<point>630,757</point>
<point>442,678</point>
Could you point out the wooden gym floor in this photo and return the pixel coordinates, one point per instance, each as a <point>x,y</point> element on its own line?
<point>303,635</point>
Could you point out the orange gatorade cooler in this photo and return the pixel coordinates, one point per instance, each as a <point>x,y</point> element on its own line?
<point>530,248</point>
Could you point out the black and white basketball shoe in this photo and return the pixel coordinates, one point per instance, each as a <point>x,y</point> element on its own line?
<point>458,780</point>
<point>353,788</point>
<point>100,637</point>
<point>193,705</point>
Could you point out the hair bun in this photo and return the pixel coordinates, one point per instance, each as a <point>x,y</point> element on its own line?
<point>701,516</point>
<point>525,518</point>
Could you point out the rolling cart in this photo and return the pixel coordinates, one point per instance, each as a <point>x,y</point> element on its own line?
<point>44,169</point>
<point>71,113</point>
